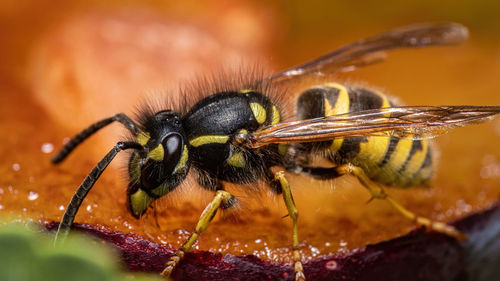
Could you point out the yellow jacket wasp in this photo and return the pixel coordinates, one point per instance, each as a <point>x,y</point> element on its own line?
<point>236,134</point>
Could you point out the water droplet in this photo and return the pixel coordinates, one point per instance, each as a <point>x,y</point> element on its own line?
<point>32,196</point>
<point>314,251</point>
<point>331,265</point>
<point>47,147</point>
<point>16,167</point>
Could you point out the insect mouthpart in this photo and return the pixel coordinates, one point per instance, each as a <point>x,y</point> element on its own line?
<point>157,172</point>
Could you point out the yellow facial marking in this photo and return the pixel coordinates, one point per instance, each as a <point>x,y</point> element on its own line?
<point>258,112</point>
<point>276,116</point>
<point>160,190</point>
<point>183,160</point>
<point>140,201</point>
<point>157,153</point>
<point>143,138</point>
<point>201,140</point>
<point>135,168</point>
<point>237,160</point>
<point>243,131</point>
<point>246,91</point>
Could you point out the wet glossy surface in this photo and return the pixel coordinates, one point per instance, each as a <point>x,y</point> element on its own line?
<point>334,216</point>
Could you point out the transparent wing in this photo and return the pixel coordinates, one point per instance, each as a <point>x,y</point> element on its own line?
<point>416,122</point>
<point>371,50</point>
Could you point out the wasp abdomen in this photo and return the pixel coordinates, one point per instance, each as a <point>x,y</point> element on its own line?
<point>393,161</point>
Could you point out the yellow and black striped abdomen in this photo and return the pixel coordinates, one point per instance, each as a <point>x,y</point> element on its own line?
<point>393,161</point>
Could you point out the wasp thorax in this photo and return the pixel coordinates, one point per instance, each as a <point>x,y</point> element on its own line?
<point>163,164</point>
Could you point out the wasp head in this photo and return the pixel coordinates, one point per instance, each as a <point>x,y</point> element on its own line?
<point>161,166</point>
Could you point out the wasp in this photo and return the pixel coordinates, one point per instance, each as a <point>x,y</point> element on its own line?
<point>237,134</point>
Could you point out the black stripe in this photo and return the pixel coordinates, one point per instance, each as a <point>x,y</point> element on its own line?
<point>427,161</point>
<point>425,164</point>
<point>393,142</point>
<point>332,95</point>
<point>415,146</point>
<point>349,149</point>
<point>311,103</point>
<point>363,99</point>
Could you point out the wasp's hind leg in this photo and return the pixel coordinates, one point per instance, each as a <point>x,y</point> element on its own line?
<point>279,178</point>
<point>223,200</point>
<point>377,192</point>
<point>90,130</point>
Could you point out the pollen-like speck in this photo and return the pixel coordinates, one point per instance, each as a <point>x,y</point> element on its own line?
<point>16,167</point>
<point>258,241</point>
<point>32,196</point>
<point>343,243</point>
<point>61,207</point>
<point>1,190</point>
<point>1,207</point>
<point>328,244</point>
<point>89,208</point>
<point>47,147</point>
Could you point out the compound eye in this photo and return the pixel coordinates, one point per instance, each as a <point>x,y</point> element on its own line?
<point>172,146</point>
<point>154,172</point>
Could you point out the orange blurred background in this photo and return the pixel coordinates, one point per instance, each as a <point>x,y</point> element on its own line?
<point>64,65</point>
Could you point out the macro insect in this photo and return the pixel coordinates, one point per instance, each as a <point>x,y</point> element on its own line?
<point>237,135</point>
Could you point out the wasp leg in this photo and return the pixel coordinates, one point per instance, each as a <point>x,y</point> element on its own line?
<point>90,130</point>
<point>294,215</point>
<point>86,185</point>
<point>378,192</point>
<point>321,173</point>
<point>222,199</point>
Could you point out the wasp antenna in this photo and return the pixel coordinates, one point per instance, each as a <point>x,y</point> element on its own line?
<point>86,185</point>
<point>89,131</point>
